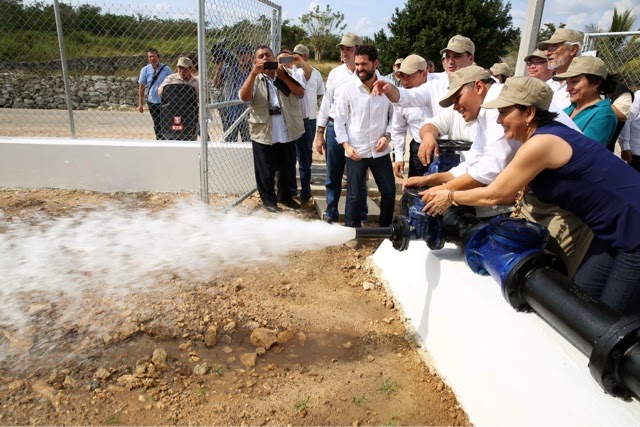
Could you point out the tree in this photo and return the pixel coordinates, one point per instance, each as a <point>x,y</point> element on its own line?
<point>291,34</point>
<point>546,33</point>
<point>425,26</point>
<point>320,25</point>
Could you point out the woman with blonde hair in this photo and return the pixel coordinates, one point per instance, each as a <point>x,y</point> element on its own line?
<point>565,168</point>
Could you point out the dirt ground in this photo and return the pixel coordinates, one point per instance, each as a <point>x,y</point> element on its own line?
<point>318,342</point>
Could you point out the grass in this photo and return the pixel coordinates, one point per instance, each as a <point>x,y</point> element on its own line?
<point>393,422</point>
<point>302,405</point>
<point>388,387</point>
<point>324,67</point>
<point>113,420</point>
<point>219,371</point>
<point>359,400</point>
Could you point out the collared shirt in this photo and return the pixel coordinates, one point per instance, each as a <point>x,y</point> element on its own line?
<point>175,79</point>
<point>337,77</point>
<point>427,96</point>
<point>314,89</point>
<point>406,119</point>
<point>597,121</point>
<point>361,119</point>
<point>630,133</point>
<point>298,75</point>
<point>146,76</point>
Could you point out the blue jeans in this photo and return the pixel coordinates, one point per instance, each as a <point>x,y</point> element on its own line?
<point>303,154</point>
<point>382,172</point>
<point>612,276</point>
<point>335,159</point>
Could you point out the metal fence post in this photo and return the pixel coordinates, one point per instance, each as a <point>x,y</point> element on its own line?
<point>65,73</point>
<point>202,97</point>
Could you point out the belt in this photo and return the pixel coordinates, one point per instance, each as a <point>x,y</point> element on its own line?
<point>330,120</point>
<point>306,120</point>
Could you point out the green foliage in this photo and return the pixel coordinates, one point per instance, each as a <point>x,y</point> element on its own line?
<point>388,387</point>
<point>302,405</point>
<point>425,26</point>
<point>359,400</point>
<point>291,34</point>
<point>547,30</point>
<point>320,25</point>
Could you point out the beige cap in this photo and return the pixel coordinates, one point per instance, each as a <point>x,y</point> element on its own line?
<point>350,40</point>
<point>584,65</point>
<point>398,61</point>
<point>184,62</point>
<point>527,91</point>
<point>460,44</point>
<point>562,35</point>
<point>465,75</point>
<point>411,64</point>
<point>301,49</point>
<point>536,54</point>
<point>500,68</point>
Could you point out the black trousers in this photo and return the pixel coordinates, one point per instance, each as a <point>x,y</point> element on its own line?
<point>635,162</point>
<point>416,168</point>
<point>156,110</point>
<point>269,161</point>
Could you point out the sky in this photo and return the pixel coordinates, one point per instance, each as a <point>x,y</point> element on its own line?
<point>366,17</point>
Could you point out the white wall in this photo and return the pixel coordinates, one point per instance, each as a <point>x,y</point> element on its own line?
<point>506,368</point>
<point>117,165</point>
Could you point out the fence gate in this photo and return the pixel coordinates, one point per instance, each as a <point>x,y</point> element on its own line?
<point>621,53</point>
<point>229,34</point>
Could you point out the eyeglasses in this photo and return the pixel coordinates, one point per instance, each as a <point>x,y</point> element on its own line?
<point>554,47</point>
<point>532,63</point>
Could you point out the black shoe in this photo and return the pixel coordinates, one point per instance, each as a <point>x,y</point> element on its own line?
<point>291,204</point>
<point>326,218</point>
<point>272,208</point>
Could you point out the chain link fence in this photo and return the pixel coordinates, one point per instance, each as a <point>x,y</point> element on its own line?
<point>620,52</point>
<point>71,70</point>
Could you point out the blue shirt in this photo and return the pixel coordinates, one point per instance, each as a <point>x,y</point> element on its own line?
<point>146,76</point>
<point>597,186</point>
<point>597,121</point>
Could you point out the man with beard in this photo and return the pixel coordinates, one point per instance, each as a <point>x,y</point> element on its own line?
<point>561,48</point>
<point>363,124</point>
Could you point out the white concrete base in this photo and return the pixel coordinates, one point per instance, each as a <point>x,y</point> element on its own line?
<point>119,165</point>
<point>506,368</point>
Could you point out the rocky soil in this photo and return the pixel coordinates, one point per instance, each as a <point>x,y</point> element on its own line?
<point>316,341</point>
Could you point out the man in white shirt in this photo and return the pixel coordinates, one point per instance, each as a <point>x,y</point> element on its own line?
<point>412,73</point>
<point>313,92</point>
<point>630,136</point>
<point>538,67</point>
<point>458,54</point>
<point>363,124</point>
<point>561,48</point>
<point>490,152</point>
<point>325,141</point>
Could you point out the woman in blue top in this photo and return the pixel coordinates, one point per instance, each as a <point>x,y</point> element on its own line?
<point>587,79</point>
<point>565,168</point>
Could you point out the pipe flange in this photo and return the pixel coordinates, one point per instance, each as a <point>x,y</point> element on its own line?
<point>609,350</point>
<point>519,272</point>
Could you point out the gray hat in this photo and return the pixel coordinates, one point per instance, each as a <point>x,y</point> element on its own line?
<point>411,64</point>
<point>562,35</point>
<point>527,91</point>
<point>584,65</point>
<point>301,49</point>
<point>460,44</point>
<point>350,40</point>
<point>500,68</point>
<point>465,75</point>
<point>536,54</point>
<point>184,62</point>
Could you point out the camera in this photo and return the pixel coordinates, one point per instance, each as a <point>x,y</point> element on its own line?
<point>270,65</point>
<point>286,60</point>
<point>274,111</point>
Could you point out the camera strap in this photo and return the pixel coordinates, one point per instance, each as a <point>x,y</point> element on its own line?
<point>272,105</point>
<point>156,75</point>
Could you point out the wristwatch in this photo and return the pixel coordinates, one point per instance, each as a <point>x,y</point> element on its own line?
<point>388,136</point>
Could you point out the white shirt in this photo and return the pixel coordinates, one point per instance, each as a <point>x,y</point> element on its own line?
<point>426,96</point>
<point>630,134</point>
<point>361,119</point>
<point>451,123</point>
<point>314,89</point>
<point>337,77</point>
<point>406,119</point>
<point>560,95</point>
<point>436,76</point>
<point>298,75</point>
